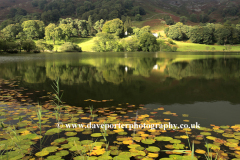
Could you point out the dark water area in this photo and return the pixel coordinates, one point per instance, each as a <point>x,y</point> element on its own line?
<point>204,86</point>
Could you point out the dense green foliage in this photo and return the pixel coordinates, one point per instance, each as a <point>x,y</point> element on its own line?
<point>140,40</point>
<point>168,20</point>
<point>205,34</point>
<point>102,9</point>
<point>70,47</point>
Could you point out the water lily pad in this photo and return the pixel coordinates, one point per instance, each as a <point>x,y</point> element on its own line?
<point>200,151</point>
<point>70,133</point>
<point>178,146</point>
<point>115,152</point>
<point>77,148</point>
<point>153,149</point>
<point>29,136</point>
<point>121,158</point>
<point>42,153</point>
<point>233,140</point>
<point>228,135</point>
<point>96,135</point>
<point>212,146</point>
<point>153,155</point>
<point>53,131</point>
<point>163,138</point>
<point>66,146</point>
<point>62,153</point>
<point>175,141</point>
<point>140,148</point>
<point>134,146</point>
<point>59,140</point>
<point>148,141</point>
<point>70,139</point>
<point>122,133</point>
<point>51,149</point>
<point>84,142</point>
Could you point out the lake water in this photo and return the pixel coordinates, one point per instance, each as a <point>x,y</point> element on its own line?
<point>206,87</point>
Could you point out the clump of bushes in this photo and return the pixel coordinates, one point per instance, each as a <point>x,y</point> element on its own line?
<point>42,45</point>
<point>167,46</point>
<point>28,45</point>
<point>70,47</point>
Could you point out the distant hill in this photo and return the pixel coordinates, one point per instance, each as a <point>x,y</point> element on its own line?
<point>195,10</point>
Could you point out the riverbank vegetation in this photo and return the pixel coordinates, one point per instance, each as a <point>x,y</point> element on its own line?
<point>206,33</point>
<point>114,35</point>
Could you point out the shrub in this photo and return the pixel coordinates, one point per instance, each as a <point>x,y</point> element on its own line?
<point>28,45</point>
<point>70,47</point>
<point>171,41</point>
<point>130,44</point>
<point>49,47</point>
<point>166,46</point>
<point>42,45</point>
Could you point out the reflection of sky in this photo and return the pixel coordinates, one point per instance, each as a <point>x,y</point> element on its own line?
<point>205,113</point>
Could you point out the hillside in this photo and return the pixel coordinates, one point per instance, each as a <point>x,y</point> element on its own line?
<point>213,10</point>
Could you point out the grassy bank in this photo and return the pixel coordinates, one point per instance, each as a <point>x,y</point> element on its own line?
<point>87,43</point>
<point>193,47</point>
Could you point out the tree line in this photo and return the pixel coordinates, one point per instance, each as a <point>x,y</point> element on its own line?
<point>111,35</point>
<point>141,39</point>
<point>209,33</point>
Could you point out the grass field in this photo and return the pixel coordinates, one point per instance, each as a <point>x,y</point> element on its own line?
<point>193,47</point>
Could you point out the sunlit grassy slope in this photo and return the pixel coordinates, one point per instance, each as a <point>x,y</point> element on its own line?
<point>85,43</point>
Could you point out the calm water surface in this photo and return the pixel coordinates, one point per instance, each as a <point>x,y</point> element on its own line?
<point>207,87</point>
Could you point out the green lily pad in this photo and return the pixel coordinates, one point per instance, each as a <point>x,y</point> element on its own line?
<point>233,140</point>
<point>77,148</point>
<point>224,127</point>
<point>125,154</point>
<point>62,153</point>
<point>153,149</point>
<point>219,131</point>
<point>42,153</point>
<point>115,152</point>
<point>70,139</point>
<point>178,146</point>
<point>29,136</point>
<point>148,141</point>
<point>140,148</point>
<point>71,134</point>
<point>133,146</point>
<point>66,146</point>
<point>163,138</point>
<point>84,142</point>
<point>74,143</point>
<point>53,131</point>
<point>212,146</point>
<point>113,147</point>
<point>122,133</point>
<point>237,137</point>
<point>175,141</point>
<point>50,149</point>
<point>228,135</point>
<point>96,135</point>
<point>59,140</point>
